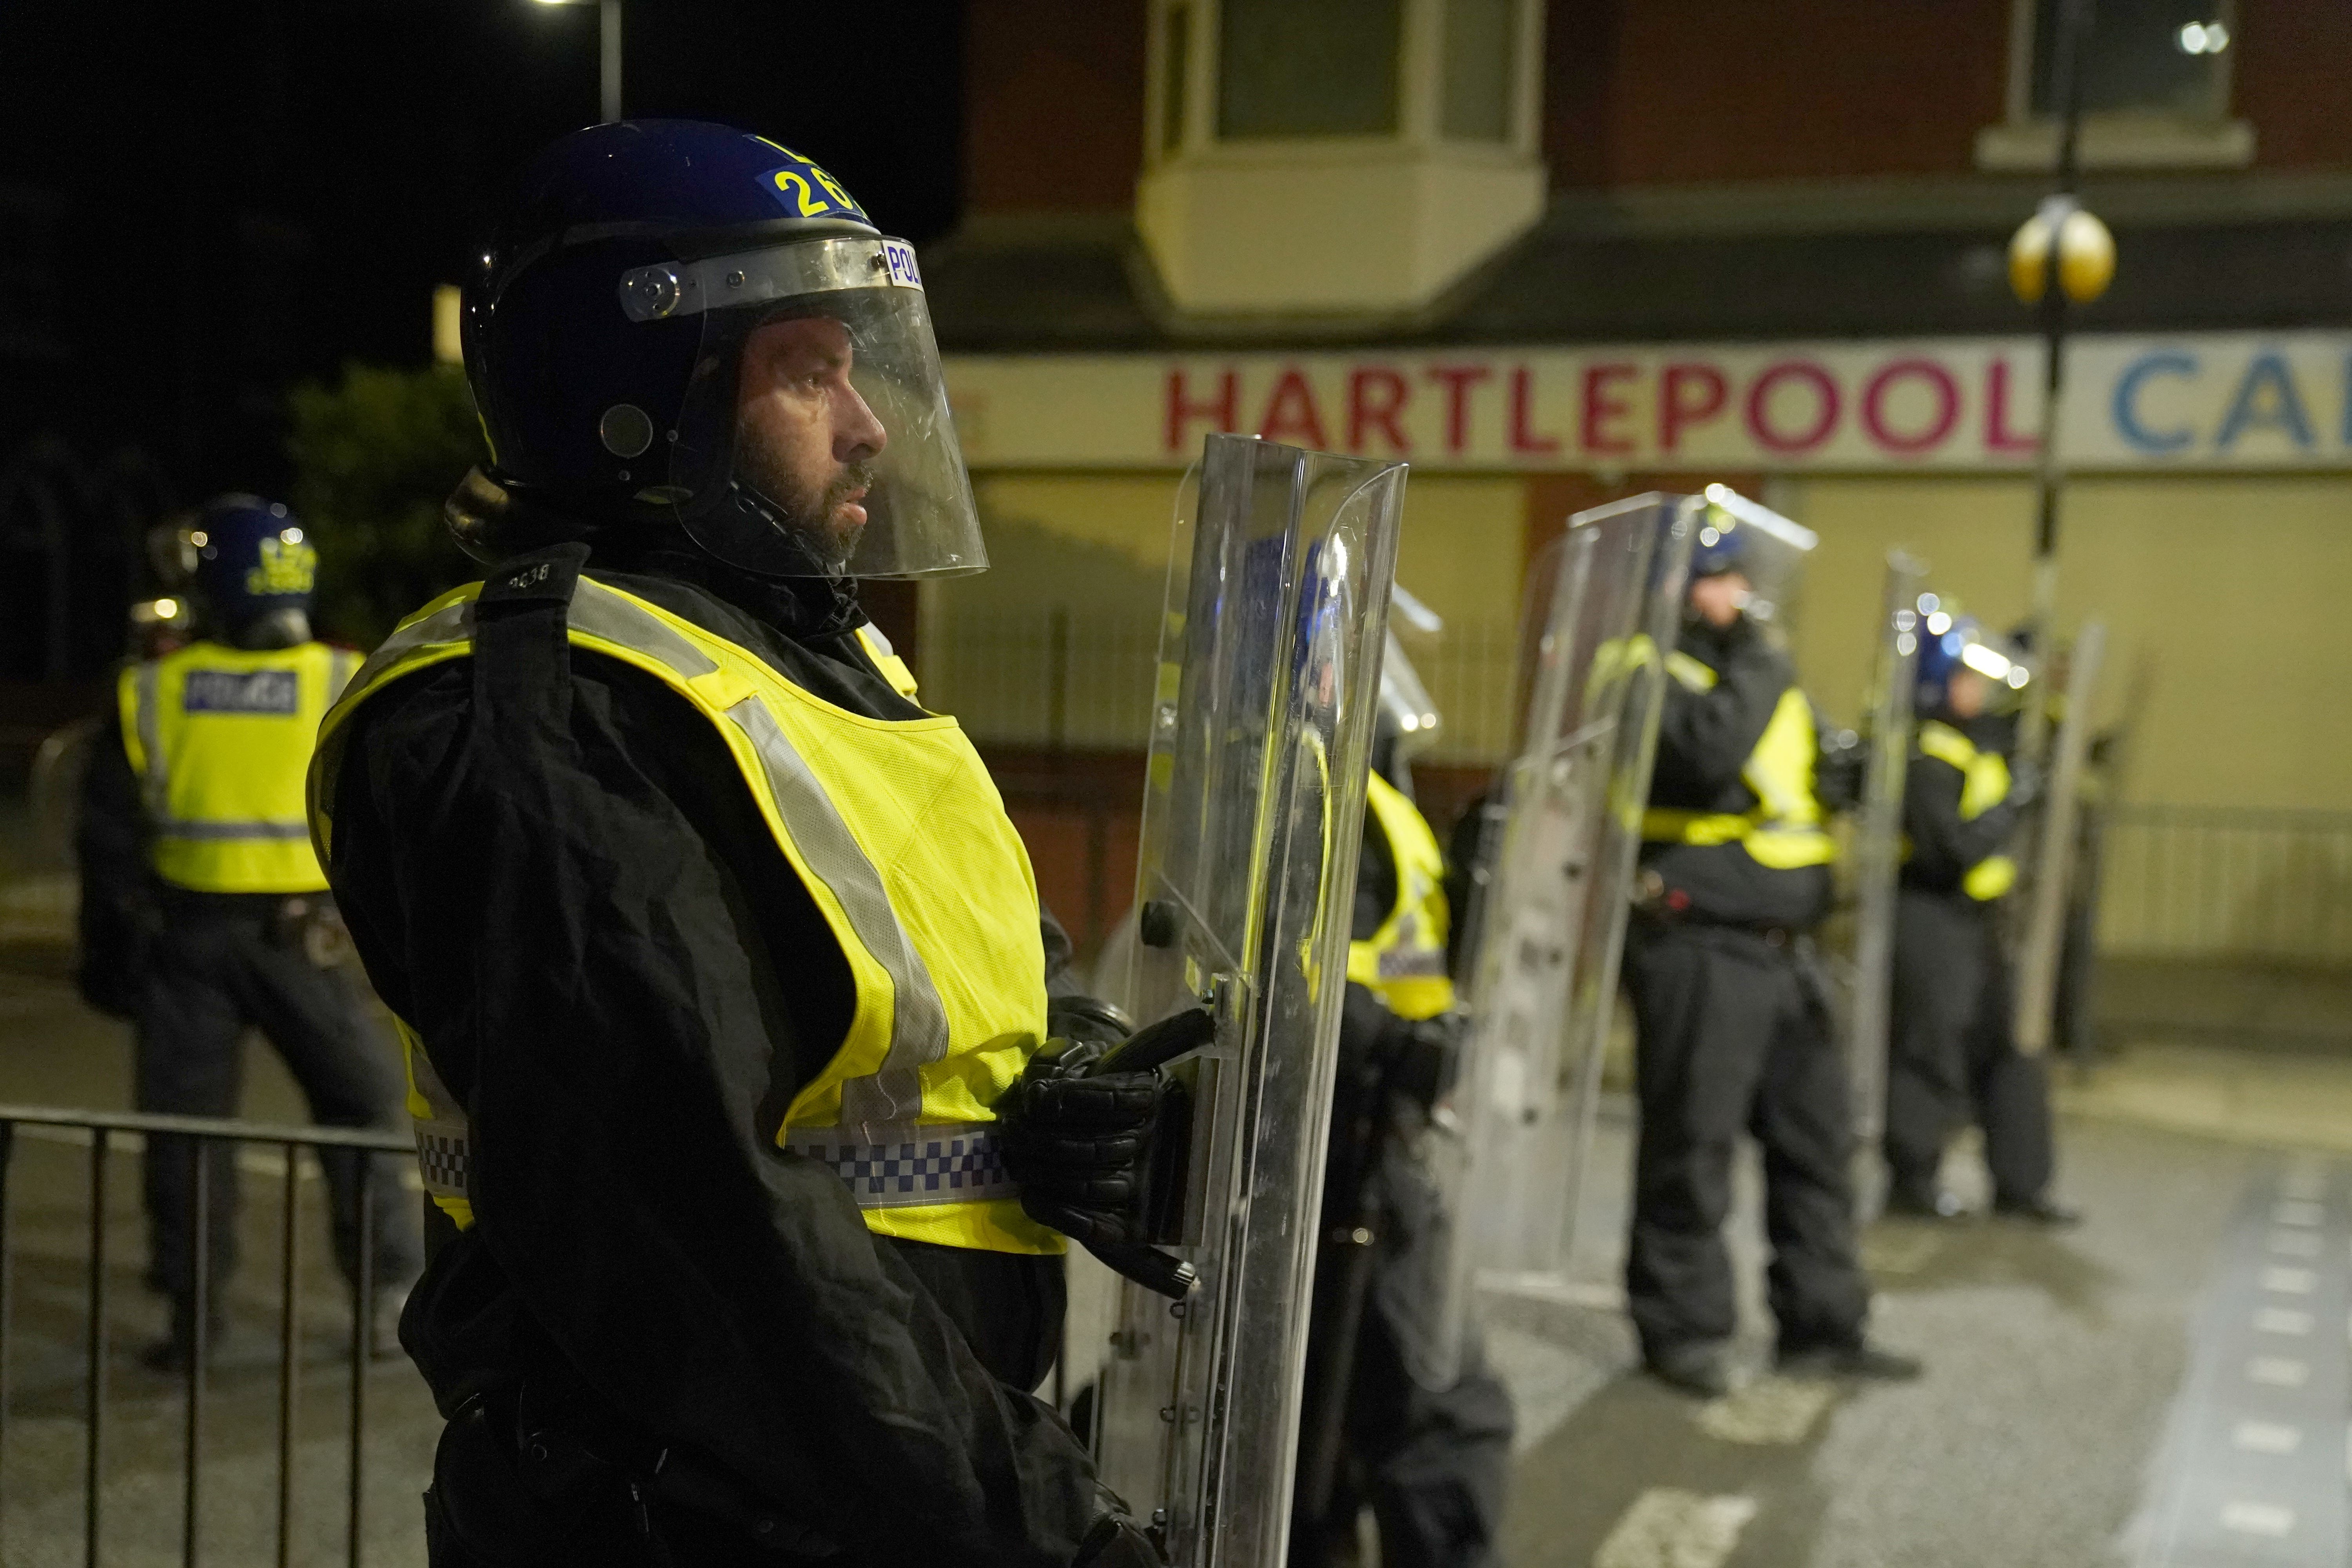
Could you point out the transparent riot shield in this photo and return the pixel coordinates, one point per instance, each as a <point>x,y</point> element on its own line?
<point>2044,933</point>
<point>1771,551</point>
<point>1509,1143</point>
<point>1876,856</point>
<point>1262,731</point>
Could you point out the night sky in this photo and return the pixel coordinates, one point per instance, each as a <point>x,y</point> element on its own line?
<point>203,203</point>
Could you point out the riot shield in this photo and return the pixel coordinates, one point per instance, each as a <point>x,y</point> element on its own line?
<point>2053,848</point>
<point>1253,814</point>
<point>1508,1143</point>
<point>1771,551</point>
<point>1876,856</point>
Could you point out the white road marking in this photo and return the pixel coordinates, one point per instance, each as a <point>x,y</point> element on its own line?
<point>2278,1371</point>
<point>2282,1320</point>
<point>1771,1410</point>
<point>2295,1243</point>
<point>2266,1437</point>
<point>2290,1281</point>
<point>1670,1528</point>
<point>2297,1211</point>
<point>2258,1519</point>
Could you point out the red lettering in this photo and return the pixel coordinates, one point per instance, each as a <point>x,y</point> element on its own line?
<point>1458,379</point>
<point>1365,412</point>
<point>1873,406</point>
<point>1599,407</point>
<point>1759,401</point>
<point>1999,436</point>
<point>1676,411</point>
<point>1182,410</point>
<point>1290,413</point>
<point>1523,398</point>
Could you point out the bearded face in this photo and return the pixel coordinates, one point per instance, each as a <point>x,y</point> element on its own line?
<point>804,439</point>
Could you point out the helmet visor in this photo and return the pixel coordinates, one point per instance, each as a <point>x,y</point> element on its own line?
<point>1762,546</point>
<point>814,440</point>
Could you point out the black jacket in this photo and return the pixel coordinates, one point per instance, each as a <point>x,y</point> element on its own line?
<point>1943,847</point>
<point>1704,739</point>
<point>552,870</point>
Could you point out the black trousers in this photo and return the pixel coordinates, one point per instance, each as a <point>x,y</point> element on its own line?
<point>1733,1035</point>
<point>219,966</point>
<point>1434,1466</point>
<point>1952,1055</point>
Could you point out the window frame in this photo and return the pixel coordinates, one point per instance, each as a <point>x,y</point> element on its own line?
<point>2116,139</point>
<point>1420,92</point>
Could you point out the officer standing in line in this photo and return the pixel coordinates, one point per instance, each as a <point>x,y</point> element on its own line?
<point>717,960</point>
<point>205,910</point>
<point>1730,1008</point>
<point>1953,1053</point>
<point>1432,1463</point>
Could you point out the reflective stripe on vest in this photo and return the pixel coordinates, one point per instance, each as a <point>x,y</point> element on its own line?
<point>1404,960</point>
<point>1984,784</point>
<point>1783,829</point>
<point>901,840</point>
<point>220,739</point>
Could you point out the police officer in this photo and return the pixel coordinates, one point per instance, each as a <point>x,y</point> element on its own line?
<point>1953,1052</point>
<point>1432,1462</point>
<point>1729,1008</point>
<point>714,953</point>
<point>205,910</point>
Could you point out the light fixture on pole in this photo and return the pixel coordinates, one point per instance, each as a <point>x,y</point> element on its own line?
<point>609,58</point>
<point>2060,255</point>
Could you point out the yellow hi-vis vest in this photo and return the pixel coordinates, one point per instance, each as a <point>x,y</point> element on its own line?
<point>1404,960</point>
<point>1783,829</point>
<point>901,837</point>
<point>1984,784</point>
<point>220,739</point>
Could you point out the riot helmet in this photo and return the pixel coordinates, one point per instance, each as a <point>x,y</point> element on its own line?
<point>681,324</point>
<point>1954,648</point>
<point>252,573</point>
<point>1755,551</point>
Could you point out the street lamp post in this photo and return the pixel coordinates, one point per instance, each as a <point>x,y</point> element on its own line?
<point>2060,254</point>
<point>608,53</point>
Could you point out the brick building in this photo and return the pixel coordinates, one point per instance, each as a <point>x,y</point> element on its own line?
<point>1556,253</point>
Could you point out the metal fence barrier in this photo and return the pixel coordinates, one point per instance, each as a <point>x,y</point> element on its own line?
<point>2227,884</point>
<point>106,1131</point>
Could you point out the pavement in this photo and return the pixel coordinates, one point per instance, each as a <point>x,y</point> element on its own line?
<point>2164,1387</point>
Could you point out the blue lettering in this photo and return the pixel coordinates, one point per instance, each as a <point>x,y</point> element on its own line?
<point>2164,361</point>
<point>2281,409</point>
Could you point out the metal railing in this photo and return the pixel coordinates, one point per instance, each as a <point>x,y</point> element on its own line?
<point>108,1134</point>
<point>2222,883</point>
<point>1083,680</point>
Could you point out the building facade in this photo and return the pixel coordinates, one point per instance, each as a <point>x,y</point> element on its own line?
<point>1554,254</point>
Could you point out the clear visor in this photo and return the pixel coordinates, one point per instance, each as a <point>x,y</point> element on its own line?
<point>815,438</point>
<point>1771,552</point>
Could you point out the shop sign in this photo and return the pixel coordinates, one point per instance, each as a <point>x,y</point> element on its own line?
<point>2200,401</point>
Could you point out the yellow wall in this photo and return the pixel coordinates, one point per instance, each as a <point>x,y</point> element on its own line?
<point>1069,538</point>
<point>2224,600</point>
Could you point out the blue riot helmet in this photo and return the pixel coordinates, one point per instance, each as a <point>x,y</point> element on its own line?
<point>1767,549</point>
<point>253,573</point>
<point>646,264</point>
<point>1950,641</point>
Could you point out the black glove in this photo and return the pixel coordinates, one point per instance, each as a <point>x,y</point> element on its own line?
<point>1426,1051</point>
<point>1117,1541</point>
<point>1077,1135</point>
<point>1079,1143</point>
<point>2024,784</point>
